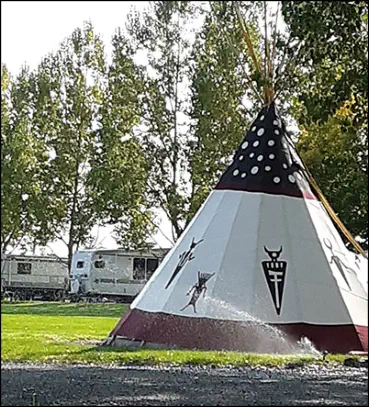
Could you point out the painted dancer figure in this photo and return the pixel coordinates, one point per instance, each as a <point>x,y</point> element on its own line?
<point>338,262</point>
<point>184,258</point>
<point>198,289</point>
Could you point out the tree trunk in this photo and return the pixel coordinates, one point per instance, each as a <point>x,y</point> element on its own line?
<point>72,238</point>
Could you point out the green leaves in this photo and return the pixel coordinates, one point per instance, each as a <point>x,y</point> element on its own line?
<point>331,87</point>
<point>219,119</point>
<point>118,178</point>
<point>330,41</point>
<point>23,156</point>
<point>69,147</point>
<point>160,34</point>
<point>337,156</point>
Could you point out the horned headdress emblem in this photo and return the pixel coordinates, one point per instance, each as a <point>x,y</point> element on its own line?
<point>274,255</point>
<point>275,274</point>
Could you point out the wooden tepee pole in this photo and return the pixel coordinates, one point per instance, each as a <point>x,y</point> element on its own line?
<point>268,87</point>
<point>247,38</point>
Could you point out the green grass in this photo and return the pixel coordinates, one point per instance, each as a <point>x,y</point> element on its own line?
<point>65,309</point>
<point>70,333</point>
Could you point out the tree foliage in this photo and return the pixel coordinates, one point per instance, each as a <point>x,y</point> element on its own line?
<point>328,55</point>
<point>329,61</point>
<point>70,157</point>
<point>23,158</point>
<point>339,161</point>
<point>158,37</point>
<point>219,88</point>
<point>119,171</point>
<point>71,89</point>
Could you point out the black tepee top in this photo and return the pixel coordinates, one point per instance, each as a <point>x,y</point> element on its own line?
<point>265,161</point>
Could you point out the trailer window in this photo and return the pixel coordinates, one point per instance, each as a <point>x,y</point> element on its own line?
<point>99,264</point>
<point>107,280</point>
<point>152,265</point>
<point>80,264</point>
<point>139,268</point>
<point>122,281</point>
<point>24,268</point>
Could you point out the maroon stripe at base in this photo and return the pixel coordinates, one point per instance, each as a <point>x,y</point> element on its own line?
<point>212,334</point>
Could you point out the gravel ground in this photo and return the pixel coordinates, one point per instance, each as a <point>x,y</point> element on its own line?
<point>186,386</point>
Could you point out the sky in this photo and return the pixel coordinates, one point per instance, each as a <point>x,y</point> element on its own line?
<point>32,29</point>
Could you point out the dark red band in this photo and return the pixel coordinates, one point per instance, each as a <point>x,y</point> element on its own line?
<point>212,334</point>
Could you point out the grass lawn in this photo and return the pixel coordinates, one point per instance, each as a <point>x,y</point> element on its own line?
<point>70,333</point>
<point>65,309</point>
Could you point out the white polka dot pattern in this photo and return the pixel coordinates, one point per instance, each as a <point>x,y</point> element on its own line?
<point>298,176</point>
<point>264,161</point>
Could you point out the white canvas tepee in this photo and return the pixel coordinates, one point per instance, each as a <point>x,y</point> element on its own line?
<point>261,252</point>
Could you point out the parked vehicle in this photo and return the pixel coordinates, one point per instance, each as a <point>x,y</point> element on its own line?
<point>96,275</point>
<point>34,277</point>
<point>112,274</point>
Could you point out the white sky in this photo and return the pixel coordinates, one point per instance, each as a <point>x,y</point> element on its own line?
<point>32,29</point>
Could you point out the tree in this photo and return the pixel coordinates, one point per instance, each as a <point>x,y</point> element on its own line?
<point>338,158</point>
<point>8,233</point>
<point>192,95</point>
<point>119,172</point>
<point>69,93</point>
<point>159,36</point>
<point>23,156</point>
<point>326,76</point>
<point>328,55</point>
<point>219,89</point>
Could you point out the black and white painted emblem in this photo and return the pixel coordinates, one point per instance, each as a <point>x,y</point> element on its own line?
<point>275,274</point>
<point>198,289</point>
<point>184,258</point>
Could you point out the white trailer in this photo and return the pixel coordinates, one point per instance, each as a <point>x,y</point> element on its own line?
<point>113,274</point>
<point>27,277</point>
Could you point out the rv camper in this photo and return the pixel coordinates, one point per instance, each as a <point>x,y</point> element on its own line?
<point>34,277</point>
<point>113,274</point>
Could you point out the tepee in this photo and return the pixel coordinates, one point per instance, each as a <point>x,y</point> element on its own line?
<point>261,254</point>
